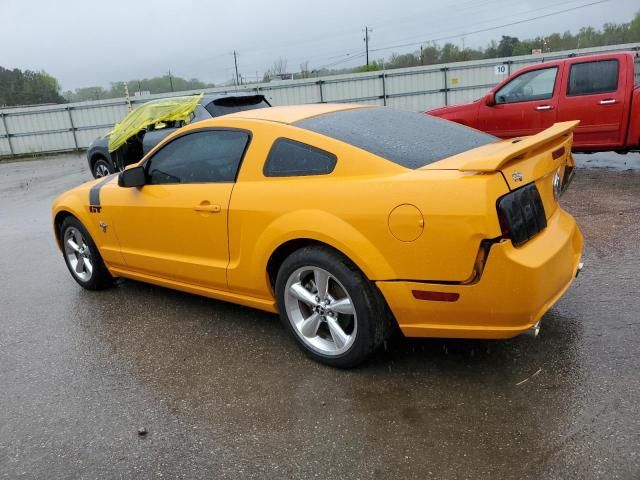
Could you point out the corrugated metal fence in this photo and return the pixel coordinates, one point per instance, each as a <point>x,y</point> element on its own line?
<point>73,126</point>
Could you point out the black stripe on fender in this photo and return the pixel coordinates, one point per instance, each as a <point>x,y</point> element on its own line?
<point>94,193</point>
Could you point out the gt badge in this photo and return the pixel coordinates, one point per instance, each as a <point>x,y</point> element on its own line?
<point>517,176</point>
<point>94,209</point>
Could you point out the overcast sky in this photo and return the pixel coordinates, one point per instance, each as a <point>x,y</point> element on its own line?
<point>87,43</point>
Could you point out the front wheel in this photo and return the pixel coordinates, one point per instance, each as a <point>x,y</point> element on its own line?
<point>82,256</point>
<point>335,314</point>
<point>102,168</point>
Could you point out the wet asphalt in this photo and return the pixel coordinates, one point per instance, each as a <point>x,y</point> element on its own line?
<point>224,393</point>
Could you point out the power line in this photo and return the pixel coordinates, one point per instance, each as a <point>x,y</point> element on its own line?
<point>344,60</point>
<point>390,22</point>
<point>482,6</point>
<point>488,29</point>
<point>511,17</point>
<point>351,55</point>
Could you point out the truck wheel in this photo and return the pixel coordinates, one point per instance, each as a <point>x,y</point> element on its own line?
<point>335,314</point>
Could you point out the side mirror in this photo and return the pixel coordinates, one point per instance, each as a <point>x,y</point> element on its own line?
<point>490,100</point>
<point>132,177</point>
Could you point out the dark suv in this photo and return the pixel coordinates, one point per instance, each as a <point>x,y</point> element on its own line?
<point>102,162</point>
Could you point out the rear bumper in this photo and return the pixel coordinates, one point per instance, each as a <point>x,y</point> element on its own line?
<point>517,287</point>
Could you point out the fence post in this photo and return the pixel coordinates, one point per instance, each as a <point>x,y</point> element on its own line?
<point>73,127</point>
<point>509,62</point>
<point>446,85</point>
<point>383,76</point>
<point>320,82</point>
<point>6,131</point>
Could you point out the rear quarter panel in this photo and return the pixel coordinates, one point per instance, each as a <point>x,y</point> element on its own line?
<point>349,210</point>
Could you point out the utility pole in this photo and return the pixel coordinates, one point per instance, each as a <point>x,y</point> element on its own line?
<point>170,81</point>
<point>126,95</point>
<point>367,30</point>
<point>235,61</point>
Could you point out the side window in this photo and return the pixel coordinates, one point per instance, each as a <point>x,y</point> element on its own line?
<point>530,86</point>
<point>593,77</point>
<point>289,158</point>
<point>199,157</point>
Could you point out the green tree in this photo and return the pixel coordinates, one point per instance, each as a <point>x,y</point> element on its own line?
<point>162,84</point>
<point>430,54</point>
<point>450,53</point>
<point>402,61</point>
<point>28,88</point>
<point>507,45</point>
<point>372,67</point>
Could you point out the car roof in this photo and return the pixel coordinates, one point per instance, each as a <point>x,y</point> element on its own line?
<point>294,113</point>
<point>575,58</point>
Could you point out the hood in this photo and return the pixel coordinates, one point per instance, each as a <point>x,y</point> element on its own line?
<point>452,108</point>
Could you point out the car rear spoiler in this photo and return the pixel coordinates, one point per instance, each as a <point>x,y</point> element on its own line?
<point>517,147</point>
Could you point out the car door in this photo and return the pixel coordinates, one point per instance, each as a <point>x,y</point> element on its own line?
<point>595,95</point>
<point>175,226</point>
<point>525,105</point>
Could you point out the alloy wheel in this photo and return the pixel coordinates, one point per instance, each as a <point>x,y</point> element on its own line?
<point>78,254</point>
<point>321,311</point>
<point>101,170</point>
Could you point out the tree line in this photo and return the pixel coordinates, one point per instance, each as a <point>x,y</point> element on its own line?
<point>162,84</point>
<point>28,88</point>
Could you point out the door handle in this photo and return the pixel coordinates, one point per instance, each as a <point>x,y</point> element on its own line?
<point>544,107</point>
<point>608,101</point>
<point>207,207</point>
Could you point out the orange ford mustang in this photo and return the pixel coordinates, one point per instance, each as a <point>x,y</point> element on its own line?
<point>345,219</point>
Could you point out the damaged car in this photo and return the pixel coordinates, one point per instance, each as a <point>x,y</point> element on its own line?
<point>348,220</point>
<point>145,126</point>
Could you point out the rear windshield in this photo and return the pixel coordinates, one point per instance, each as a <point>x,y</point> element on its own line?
<point>226,105</point>
<point>412,140</point>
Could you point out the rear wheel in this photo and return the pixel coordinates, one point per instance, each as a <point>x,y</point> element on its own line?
<point>332,310</point>
<point>82,256</point>
<point>102,168</point>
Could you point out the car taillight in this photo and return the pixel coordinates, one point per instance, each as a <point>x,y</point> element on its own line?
<point>521,214</point>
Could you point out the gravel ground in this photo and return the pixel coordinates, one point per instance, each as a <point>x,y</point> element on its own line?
<point>223,393</point>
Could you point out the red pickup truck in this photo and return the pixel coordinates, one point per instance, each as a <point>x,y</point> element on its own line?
<point>602,91</point>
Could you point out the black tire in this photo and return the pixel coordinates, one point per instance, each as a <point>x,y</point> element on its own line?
<point>373,317</point>
<point>99,278</point>
<point>101,168</point>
